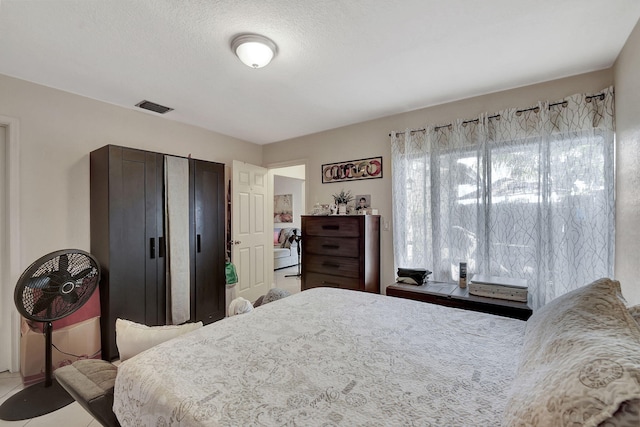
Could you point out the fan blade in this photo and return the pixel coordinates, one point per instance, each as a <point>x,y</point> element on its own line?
<point>70,298</point>
<point>39,282</point>
<point>43,303</point>
<point>82,274</point>
<point>63,262</point>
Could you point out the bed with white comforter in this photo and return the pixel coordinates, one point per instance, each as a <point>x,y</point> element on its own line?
<point>327,357</point>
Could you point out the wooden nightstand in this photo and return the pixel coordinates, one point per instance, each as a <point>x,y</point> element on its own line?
<point>451,295</point>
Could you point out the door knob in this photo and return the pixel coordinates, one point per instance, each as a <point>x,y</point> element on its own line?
<point>235,242</point>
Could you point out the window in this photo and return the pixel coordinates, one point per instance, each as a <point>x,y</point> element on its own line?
<point>530,196</point>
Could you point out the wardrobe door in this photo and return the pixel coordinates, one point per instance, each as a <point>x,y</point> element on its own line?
<point>208,241</point>
<point>126,228</point>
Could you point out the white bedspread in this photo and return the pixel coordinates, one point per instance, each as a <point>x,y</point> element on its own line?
<point>327,357</point>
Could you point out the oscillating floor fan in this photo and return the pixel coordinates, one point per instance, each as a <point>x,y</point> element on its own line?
<point>51,288</point>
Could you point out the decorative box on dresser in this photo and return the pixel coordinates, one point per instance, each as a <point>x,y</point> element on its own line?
<point>341,251</point>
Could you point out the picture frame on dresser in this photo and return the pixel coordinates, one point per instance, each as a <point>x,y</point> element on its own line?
<point>363,202</point>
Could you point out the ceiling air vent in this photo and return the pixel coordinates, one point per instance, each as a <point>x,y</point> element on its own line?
<point>152,106</point>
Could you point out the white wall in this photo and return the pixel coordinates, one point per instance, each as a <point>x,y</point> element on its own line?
<point>627,82</point>
<point>371,139</point>
<point>58,130</point>
<point>297,171</point>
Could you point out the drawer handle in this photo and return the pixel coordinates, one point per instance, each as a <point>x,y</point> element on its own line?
<point>329,264</point>
<point>330,283</point>
<point>331,246</point>
<point>331,227</point>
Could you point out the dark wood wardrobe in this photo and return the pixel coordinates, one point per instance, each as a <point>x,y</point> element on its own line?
<point>128,238</point>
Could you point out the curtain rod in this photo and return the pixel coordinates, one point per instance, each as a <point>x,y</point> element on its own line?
<point>518,112</point>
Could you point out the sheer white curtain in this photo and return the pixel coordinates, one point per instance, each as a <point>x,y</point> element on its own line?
<point>522,193</point>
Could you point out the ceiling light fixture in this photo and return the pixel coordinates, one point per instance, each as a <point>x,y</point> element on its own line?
<point>254,50</point>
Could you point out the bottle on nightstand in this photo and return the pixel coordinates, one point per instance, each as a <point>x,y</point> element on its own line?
<point>462,282</point>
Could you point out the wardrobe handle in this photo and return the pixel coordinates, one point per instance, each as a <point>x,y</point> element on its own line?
<point>161,249</point>
<point>152,247</point>
<point>198,246</point>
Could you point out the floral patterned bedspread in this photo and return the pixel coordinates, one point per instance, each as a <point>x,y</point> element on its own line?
<point>327,357</point>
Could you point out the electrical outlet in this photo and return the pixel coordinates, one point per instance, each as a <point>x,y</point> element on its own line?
<point>385,225</point>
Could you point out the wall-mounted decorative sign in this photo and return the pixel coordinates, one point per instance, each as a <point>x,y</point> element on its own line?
<point>352,170</point>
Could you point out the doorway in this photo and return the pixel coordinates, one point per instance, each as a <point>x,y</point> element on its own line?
<point>288,196</point>
<point>5,295</point>
<point>9,244</point>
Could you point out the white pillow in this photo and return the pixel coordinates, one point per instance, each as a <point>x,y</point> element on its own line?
<point>579,363</point>
<point>239,306</point>
<point>133,338</point>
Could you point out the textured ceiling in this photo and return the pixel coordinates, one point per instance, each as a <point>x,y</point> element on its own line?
<point>339,61</point>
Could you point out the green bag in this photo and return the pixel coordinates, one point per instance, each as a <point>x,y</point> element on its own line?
<point>230,273</point>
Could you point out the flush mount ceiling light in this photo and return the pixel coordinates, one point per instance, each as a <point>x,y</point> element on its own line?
<point>254,50</point>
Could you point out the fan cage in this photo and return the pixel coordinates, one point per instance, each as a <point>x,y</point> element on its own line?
<point>56,285</point>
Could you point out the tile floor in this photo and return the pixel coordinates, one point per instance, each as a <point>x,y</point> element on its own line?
<point>74,415</point>
<point>291,284</point>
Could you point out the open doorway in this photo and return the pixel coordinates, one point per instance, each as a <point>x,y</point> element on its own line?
<point>9,244</point>
<point>5,290</point>
<point>288,184</point>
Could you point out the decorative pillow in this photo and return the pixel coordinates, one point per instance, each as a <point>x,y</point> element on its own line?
<point>285,235</point>
<point>286,244</point>
<point>276,236</point>
<point>580,363</point>
<point>133,338</point>
<point>240,306</point>
<point>275,294</point>
<point>627,415</point>
<point>635,312</point>
<point>258,302</point>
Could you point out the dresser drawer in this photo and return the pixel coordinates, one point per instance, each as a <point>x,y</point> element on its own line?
<point>334,246</point>
<point>341,251</point>
<point>332,226</point>
<point>339,266</point>
<point>316,280</point>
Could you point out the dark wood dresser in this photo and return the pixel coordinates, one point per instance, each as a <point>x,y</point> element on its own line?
<point>341,251</point>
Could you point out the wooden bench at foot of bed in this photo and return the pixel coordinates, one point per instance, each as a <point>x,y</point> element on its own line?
<point>90,382</point>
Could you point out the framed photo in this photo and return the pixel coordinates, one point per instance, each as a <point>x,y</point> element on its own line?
<point>283,208</point>
<point>352,170</point>
<point>363,202</point>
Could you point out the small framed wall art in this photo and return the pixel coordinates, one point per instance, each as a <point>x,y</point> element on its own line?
<point>352,170</point>
<point>283,208</point>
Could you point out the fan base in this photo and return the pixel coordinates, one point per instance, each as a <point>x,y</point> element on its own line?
<point>34,401</point>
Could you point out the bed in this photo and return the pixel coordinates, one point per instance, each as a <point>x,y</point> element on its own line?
<point>335,357</point>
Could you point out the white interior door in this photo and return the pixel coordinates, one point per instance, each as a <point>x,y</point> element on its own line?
<point>6,297</point>
<point>10,241</point>
<point>250,233</point>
